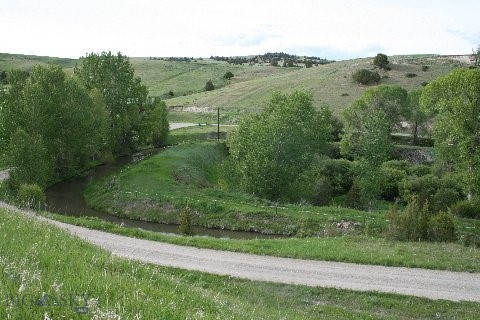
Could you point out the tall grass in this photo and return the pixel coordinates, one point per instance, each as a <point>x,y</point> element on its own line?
<point>47,274</point>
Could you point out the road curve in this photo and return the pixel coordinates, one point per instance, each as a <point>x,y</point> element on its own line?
<point>455,286</point>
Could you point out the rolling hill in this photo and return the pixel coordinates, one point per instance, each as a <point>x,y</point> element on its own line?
<point>250,89</point>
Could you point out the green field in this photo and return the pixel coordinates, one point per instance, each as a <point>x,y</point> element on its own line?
<point>49,274</point>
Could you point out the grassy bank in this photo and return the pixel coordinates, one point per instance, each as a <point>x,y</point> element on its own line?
<point>60,276</point>
<point>160,187</point>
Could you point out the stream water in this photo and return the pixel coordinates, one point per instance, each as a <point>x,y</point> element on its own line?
<point>66,197</point>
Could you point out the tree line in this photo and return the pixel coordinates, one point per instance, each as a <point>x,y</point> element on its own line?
<point>54,125</point>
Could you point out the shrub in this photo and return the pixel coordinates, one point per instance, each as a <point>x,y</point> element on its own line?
<point>185,226</point>
<point>228,75</point>
<point>442,227</point>
<point>323,192</point>
<point>416,222</point>
<point>419,170</point>
<point>424,187</point>
<point>466,209</point>
<point>344,94</point>
<point>410,75</point>
<point>31,196</point>
<point>391,178</point>
<point>170,93</point>
<point>425,68</point>
<point>397,164</point>
<point>209,86</point>
<point>444,198</point>
<point>381,60</point>
<point>339,173</point>
<point>424,83</point>
<point>354,198</point>
<point>364,76</point>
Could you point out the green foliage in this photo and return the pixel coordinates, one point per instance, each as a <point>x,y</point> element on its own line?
<point>355,198</point>
<point>442,227</point>
<point>369,122</point>
<point>425,68</point>
<point>31,196</point>
<point>338,172</point>
<point>381,60</point>
<point>415,115</point>
<point>467,209</point>
<point>29,159</point>
<point>228,75</point>
<point>391,179</point>
<point>365,76</point>
<point>56,110</point>
<point>419,170</point>
<point>410,75</point>
<point>123,93</point>
<point>444,198</point>
<point>476,56</point>
<point>209,86</point>
<point>185,222</point>
<point>424,187</point>
<point>417,222</point>
<point>158,124</point>
<point>455,99</point>
<point>270,150</point>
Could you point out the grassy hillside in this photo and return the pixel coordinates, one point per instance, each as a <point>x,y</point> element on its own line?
<point>252,86</point>
<point>26,62</point>
<point>331,84</point>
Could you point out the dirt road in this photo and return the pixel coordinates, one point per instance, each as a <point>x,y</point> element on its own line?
<point>431,284</point>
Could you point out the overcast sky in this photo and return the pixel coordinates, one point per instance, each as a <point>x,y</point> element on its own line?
<point>331,29</point>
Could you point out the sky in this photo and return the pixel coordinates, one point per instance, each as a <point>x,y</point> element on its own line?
<point>200,28</point>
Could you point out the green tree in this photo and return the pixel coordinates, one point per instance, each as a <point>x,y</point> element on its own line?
<point>271,150</point>
<point>369,122</point>
<point>29,160</point>
<point>381,61</point>
<point>59,111</point>
<point>415,114</point>
<point>228,75</point>
<point>159,124</point>
<point>455,99</point>
<point>209,86</point>
<point>371,119</point>
<point>124,95</point>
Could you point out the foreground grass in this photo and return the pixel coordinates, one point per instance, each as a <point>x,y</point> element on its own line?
<point>355,249</point>
<point>59,276</point>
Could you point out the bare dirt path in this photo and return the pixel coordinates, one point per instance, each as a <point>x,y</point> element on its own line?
<point>455,286</point>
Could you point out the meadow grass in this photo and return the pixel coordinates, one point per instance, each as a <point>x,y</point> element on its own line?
<point>58,276</point>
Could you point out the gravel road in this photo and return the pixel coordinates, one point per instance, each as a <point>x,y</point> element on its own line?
<point>455,286</point>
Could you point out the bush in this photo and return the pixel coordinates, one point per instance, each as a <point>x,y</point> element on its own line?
<point>419,170</point>
<point>31,196</point>
<point>339,173</point>
<point>397,164</point>
<point>410,75</point>
<point>424,83</point>
<point>391,178</point>
<point>425,68</point>
<point>354,198</point>
<point>424,187</point>
<point>444,198</point>
<point>364,76</point>
<point>381,60</point>
<point>185,226</point>
<point>323,192</point>
<point>466,209</point>
<point>209,86</point>
<point>416,223</point>
<point>442,227</point>
<point>228,75</point>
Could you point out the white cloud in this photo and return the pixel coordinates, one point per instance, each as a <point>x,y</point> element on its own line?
<point>333,29</point>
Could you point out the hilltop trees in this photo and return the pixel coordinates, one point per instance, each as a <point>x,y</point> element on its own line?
<point>272,150</point>
<point>455,99</point>
<point>124,95</point>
